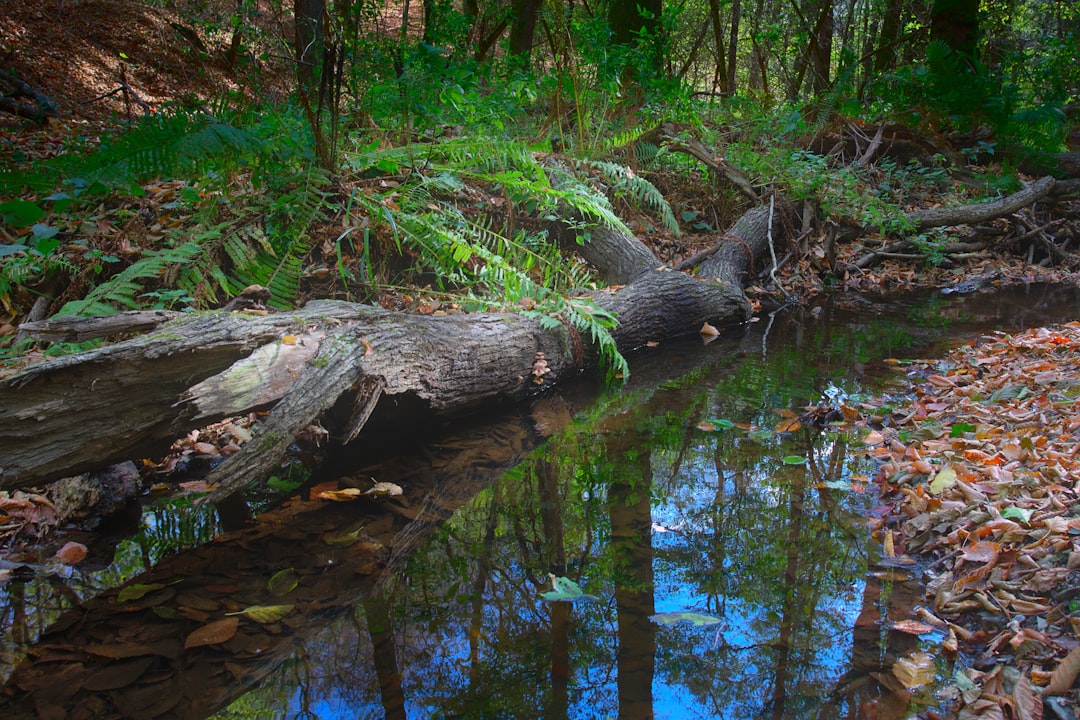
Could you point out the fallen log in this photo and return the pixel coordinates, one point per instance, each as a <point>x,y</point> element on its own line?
<point>971,214</point>
<point>131,399</point>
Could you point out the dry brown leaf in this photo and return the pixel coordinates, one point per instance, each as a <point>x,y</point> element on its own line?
<point>1028,703</point>
<point>72,553</point>
<point>708,331</point>
<point>1064,674</point>
<point>213,633</point>
<point>911,627</point>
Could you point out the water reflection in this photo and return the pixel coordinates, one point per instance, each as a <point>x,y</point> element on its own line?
<point>630,498</point>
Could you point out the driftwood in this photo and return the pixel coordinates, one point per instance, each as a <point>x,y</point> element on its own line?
<point>132,398</point>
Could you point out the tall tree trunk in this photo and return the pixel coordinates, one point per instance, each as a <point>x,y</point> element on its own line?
<point>635,20</point>
<point>308,16</point>
<point>822,48</point>
<point>720,76</point>
<point>733,44</point>
<point>956,23</point>
<point>885,57</point>
<point>523,28</point>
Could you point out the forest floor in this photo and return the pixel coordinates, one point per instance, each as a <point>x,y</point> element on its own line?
<point>980,459</point>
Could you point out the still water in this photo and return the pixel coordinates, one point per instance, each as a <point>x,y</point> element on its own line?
<point>719,554</point>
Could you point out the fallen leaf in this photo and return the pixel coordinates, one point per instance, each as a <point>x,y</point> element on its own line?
<point>685,618</point>
<point>72,553</point>
<point>283,582</point>
<point>945,478</point>
<point>264,613</point>
<point>709,331</point>
<point>1064,675</point>
<point>213,633</point>
<point>915,670</point>
<point>911,627</point>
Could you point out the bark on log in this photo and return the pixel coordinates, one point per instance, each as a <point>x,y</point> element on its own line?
<point>131,399</point>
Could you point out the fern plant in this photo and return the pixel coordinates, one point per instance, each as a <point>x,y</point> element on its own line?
<point>124,288</point>
<point>497,266</point>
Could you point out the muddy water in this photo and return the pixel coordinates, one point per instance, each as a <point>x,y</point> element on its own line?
<point>716,556</point>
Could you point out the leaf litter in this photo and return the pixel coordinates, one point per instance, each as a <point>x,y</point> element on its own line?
<point>981,467</point>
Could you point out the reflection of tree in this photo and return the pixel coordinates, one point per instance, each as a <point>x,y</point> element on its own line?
<point>384,657</point>
<point>630,511</point>
<point>793,585</point>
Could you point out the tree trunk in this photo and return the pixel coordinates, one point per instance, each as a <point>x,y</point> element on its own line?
<point>956,23</point>
<point>638,20</point>
<point>131,399</point>
<point>523,28</point>
<point>308,16</point>
<point>733,44</point>
<point>720,75</point>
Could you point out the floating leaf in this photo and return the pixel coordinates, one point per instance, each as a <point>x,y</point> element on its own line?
<point>788,425</point>
<point>342,495</point>
<point>945,478</point>
<point>264,613</point>
<point>688,618</point>
<point>564,589</point>
<point>72,553</point>
<point>912,627</point>
<point>384,489</point>
<point>213,633</point>
<point>283,582</point>
<point>915,670</point>
<point>793,460</point>
<point>712,425</point>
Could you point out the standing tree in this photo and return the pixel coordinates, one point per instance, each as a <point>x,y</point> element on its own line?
<point>634,21</point>
<point>956,23</point>
<point>523,28</point>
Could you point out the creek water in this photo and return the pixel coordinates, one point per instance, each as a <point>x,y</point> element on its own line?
<point>714,555</point>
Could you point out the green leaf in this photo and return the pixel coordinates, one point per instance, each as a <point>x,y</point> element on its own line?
<point>721,424</point>
<point>793,460</point>
<point>960,428</point>
<point>43,232</point>
<point>264,613</point>
<point>929,430</point>
<point>1015,513</point>
<point>137,591</point>
<point>565,589</point>
<point>20,213</point>
<point>283,582</point>
<point>284,485</point>
<point>687,618</point>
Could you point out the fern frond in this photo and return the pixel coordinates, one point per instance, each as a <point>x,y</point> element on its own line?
<point>123,288</point>
<point>641,191</point>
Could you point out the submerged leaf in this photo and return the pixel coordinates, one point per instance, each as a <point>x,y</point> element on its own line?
<point>283,582</point>
<point>213,633</point>
<point>793,460</point>
<point>264,613</point>
<point>915,670</point>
